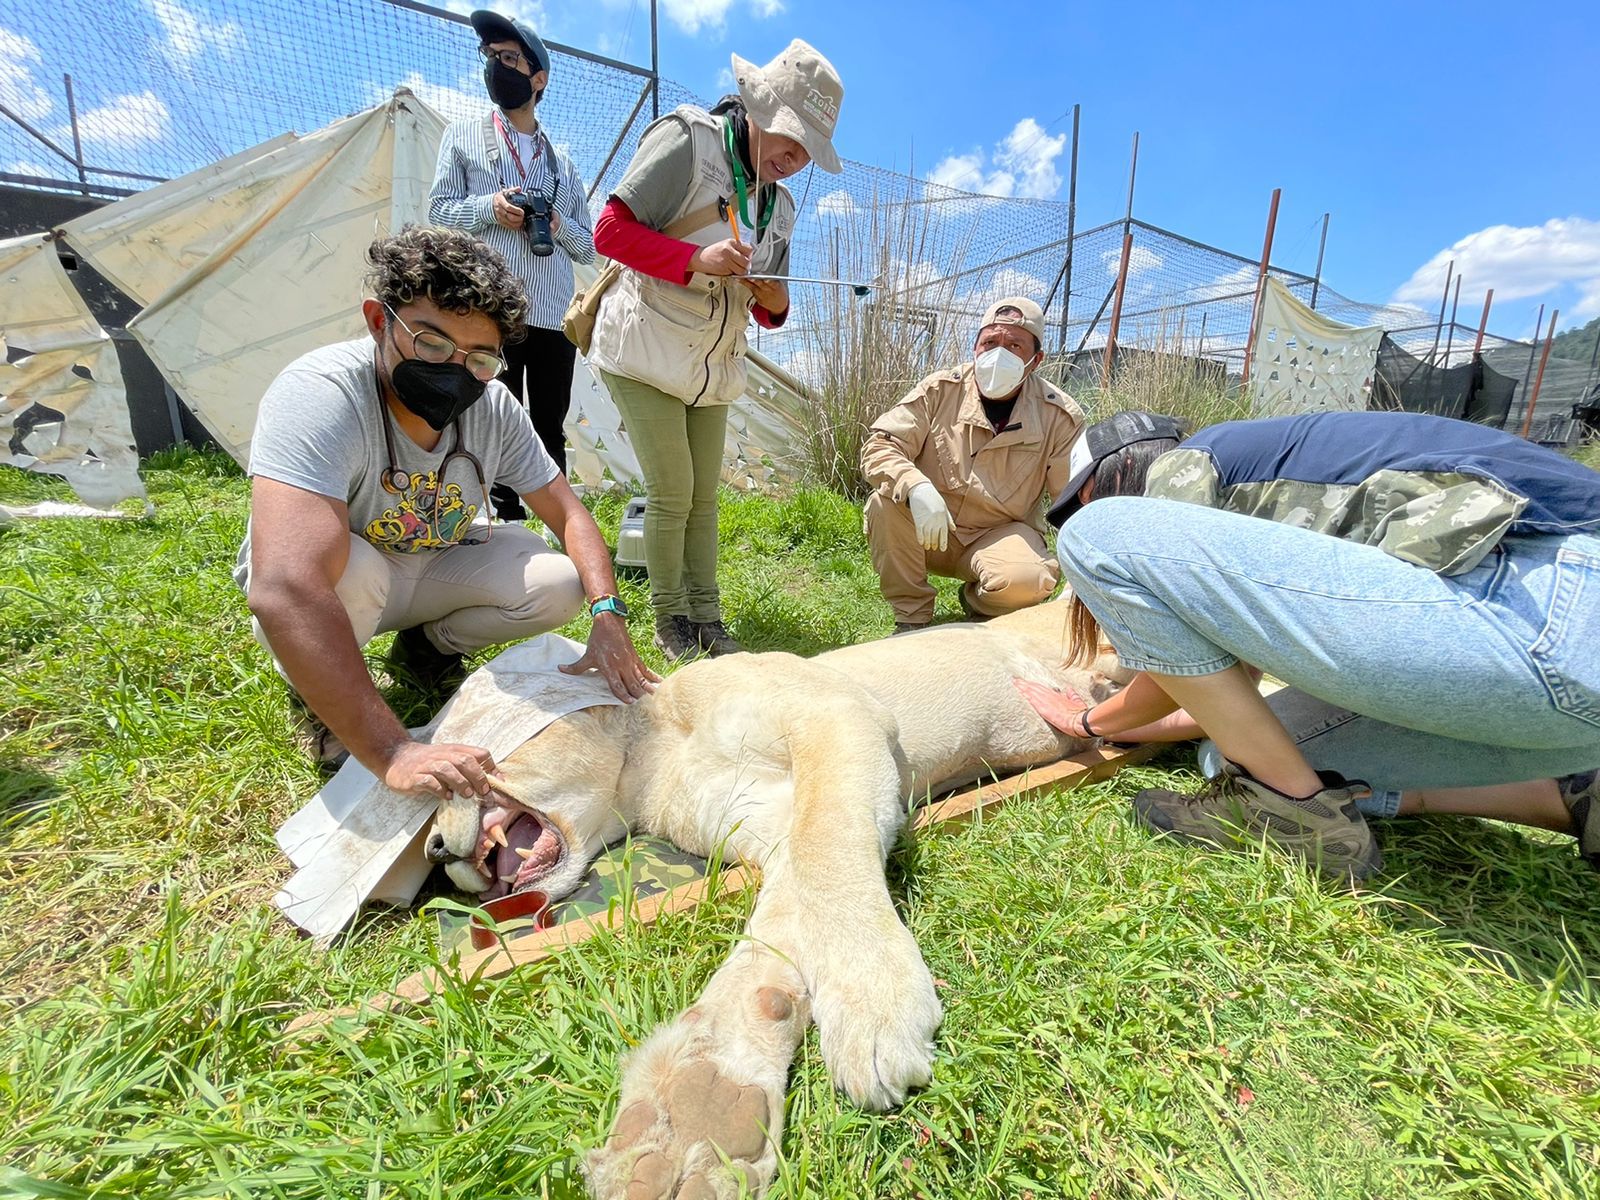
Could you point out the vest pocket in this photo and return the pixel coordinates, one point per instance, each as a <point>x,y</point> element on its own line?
<point>1564,653</point>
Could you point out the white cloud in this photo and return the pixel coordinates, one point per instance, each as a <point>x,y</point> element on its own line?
<point>531,11</point>
<point>1518,262</point>
<point>726,83</point>
<point>1009,281</point>
<point>1023,163</point>
<point>24,167</point>
<point>125,121</point>
<point>19,91</point>
<point>838,204</point>
<point>693,15</point>
<point>190,35</point>
<point>1140,260</point>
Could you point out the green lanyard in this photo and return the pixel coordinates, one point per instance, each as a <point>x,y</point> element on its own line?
<point>741,185</point>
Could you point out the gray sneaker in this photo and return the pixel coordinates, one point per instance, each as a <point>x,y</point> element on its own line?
<point>675,637</point>
<point>715,640</point>
<point>1581,794</point>
<point>312,738</point>
<point>1234,811</point>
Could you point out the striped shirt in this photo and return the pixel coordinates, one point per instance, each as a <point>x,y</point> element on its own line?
<point>464,186</point>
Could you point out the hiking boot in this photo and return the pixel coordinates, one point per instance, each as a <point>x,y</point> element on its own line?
<point>969,608</point>
<point>420,663</point>
<point>676,638</point>
<point>312,738</point>
<point>1234,811</point>
<point>909,626</point>
<point>714,638</point>
<point>1581,794</point>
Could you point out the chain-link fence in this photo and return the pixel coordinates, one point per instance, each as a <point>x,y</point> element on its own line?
<point>158,89</point>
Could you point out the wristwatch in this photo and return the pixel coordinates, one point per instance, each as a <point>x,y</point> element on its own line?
<point>608,604</point>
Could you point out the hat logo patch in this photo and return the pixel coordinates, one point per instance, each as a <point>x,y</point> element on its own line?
<point>822,109</point>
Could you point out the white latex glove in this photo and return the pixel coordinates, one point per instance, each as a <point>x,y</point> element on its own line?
<point>931,515</point>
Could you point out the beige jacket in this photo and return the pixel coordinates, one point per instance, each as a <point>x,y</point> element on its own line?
<point>689,340</point>
<point>939,434</point>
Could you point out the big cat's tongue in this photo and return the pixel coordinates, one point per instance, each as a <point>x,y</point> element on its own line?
<point>532,849</point>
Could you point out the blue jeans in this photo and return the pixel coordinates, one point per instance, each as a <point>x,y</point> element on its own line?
<point>1490,676</point>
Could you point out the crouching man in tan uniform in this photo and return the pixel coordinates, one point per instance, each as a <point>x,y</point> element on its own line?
<point>958,470</point>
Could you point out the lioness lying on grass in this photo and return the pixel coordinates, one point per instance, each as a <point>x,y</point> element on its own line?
<point>803,767</point>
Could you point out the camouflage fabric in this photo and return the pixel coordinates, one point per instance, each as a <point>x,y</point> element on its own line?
<point>1444,521</point>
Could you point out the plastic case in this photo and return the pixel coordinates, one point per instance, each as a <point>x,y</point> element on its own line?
<point>630,535</point>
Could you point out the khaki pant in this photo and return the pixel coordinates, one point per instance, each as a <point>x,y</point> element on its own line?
<point>1005,568</point>
<point>466,597</point>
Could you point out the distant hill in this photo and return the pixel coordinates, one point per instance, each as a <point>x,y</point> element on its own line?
<point>1576,343</point>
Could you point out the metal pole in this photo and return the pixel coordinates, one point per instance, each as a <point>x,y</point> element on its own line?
<point>1316,280</point>
<point>1261,282</point>
<point>1116,309</point>
<point>622,133</point>
<point>1528,370</point>
<point>1098,313</point>
<point>1133,173</point>
<point>1450,337</point>
<point>77,138</point>
<point>1072,219</point>
<point>1483,321</point>
<point>1527,420</point>
<point>1444,303</point>
<point>655,67</point>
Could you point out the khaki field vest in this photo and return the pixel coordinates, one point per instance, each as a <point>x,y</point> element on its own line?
<point>689,341</point>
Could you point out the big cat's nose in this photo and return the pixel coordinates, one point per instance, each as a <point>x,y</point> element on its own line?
<point>436,851</point>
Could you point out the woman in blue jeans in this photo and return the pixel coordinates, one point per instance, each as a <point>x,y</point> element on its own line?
<point>1429,588</point>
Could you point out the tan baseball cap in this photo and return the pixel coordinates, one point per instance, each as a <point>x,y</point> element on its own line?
<point>798,95</point>
<point>1024,312</point>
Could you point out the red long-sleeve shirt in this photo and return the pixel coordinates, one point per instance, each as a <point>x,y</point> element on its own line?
<point>619,235</point>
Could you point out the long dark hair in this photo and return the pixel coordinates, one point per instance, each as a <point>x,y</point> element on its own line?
<point>732,107</point>
<point>1121,474</point>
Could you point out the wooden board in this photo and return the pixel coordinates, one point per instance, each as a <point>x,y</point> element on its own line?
<point>1089,766</point>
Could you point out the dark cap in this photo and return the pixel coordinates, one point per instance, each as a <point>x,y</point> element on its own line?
<point>492,27</point>
<point>1099,442</point>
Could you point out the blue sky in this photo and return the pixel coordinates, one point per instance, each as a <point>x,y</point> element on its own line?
<point>1429,131</point>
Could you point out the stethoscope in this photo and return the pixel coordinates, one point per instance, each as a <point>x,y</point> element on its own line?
<point>398,482</point>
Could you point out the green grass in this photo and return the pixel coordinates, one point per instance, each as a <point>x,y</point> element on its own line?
<point>1123,1018</point>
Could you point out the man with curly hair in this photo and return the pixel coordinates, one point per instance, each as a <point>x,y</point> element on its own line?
<point>370,473</point>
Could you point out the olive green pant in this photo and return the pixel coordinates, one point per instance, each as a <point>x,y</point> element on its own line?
<point>679,448</point>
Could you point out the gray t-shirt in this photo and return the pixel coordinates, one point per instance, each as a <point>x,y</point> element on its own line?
<point>320,428</point>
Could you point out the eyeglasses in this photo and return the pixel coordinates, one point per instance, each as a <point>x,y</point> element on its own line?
<point>433,347</point>
<point>510,59</point>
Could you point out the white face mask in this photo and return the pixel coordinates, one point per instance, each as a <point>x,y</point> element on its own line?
<point>999,372</point>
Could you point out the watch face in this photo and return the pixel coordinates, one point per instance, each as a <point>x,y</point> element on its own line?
<point>609,604</point>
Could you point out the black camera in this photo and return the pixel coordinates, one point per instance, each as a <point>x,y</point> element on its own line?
<point>535,221</point>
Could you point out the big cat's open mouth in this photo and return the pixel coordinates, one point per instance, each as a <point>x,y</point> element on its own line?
<point>518,848</point>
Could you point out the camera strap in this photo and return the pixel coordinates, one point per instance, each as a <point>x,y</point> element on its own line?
<point>522,171</point>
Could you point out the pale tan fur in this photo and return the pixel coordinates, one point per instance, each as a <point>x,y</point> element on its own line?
<point>805,768</point>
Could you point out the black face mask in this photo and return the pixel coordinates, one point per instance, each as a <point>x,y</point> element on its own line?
<point>436,392</point>
<point>507,88</point>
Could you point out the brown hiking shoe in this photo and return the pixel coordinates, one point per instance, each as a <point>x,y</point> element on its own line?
<point>908,627</point>
<point>675,637</point>
<point>715,640</point>
<point>417,661</point>
<point>1581,794</point>
<point>1234,811</point>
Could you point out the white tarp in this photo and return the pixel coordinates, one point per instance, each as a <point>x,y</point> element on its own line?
<point>1304,362</point>
<point>62,405</point>
<point>244,265</point>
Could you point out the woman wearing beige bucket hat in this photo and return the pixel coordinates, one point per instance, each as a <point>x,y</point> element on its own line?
<point>699,208</point>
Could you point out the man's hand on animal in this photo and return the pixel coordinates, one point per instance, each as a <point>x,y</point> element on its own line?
<point>726,257</point>
<point>932,516</point>
<point>821,758</point>
<point>612,653</point>
<point>506,214</point>
<point>440,769</point>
